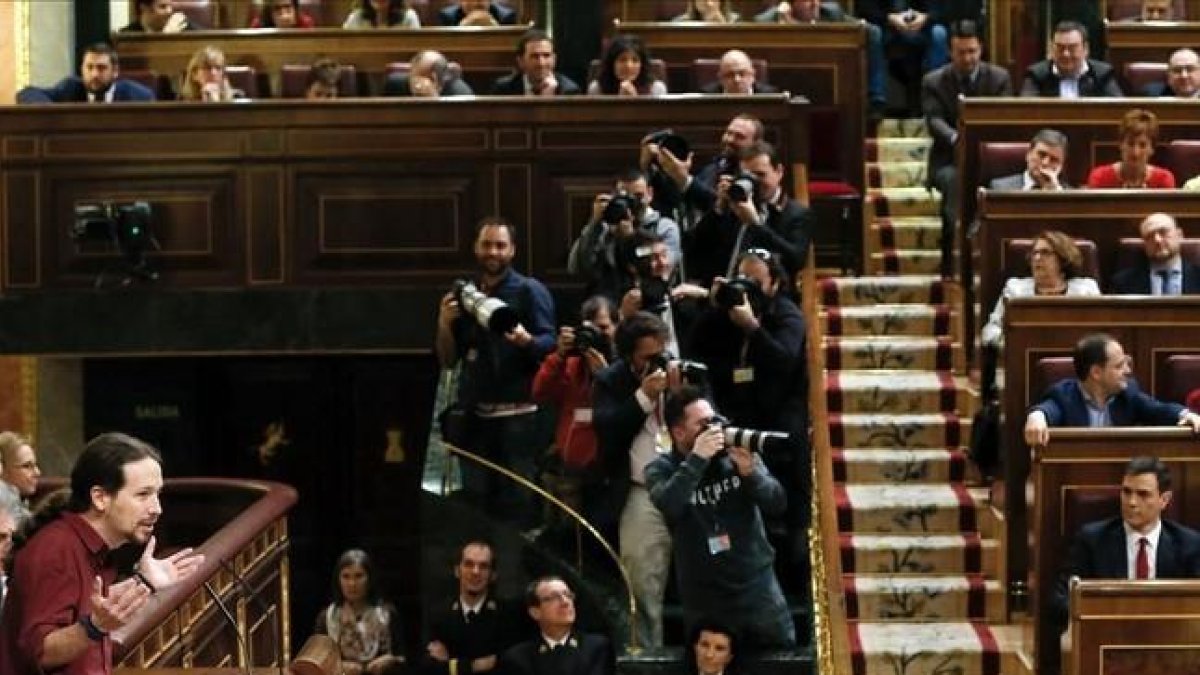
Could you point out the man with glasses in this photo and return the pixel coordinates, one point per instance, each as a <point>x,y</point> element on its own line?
<point>1102,394</point>
<point>1183,76</point>
<point>1161,269</point>
<point>20,465</point>
<point>1069,73</point>
<point>559,648</point>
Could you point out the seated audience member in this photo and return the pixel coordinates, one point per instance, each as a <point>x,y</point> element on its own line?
<point>712,649</point>
<point>429,76</point>
<point>559,648</point>
<point>1139,132</point>
<point>282,14</point>
<point>18,464</point>
<point>158,16</point>
<point>365,627</point>
<point>700,485</point>
<point>1161,269</point>
<point>736,75</point>
<point>1055,266</point>
<point>382,14</point>
<point>204,79</point>
<point>625,70</point>
<point>1138,544</point>
<point>535,74</point>
<point>564,380</point>
<point>815,11</point>
<point>708,11</point>
<point>1183,76</point>
<point>762,216</point>
<point>477,13</point>
<point>13,517</point>
<point>324,79</point>
<point>1043,164</point>
<point>1101,395</point>
<point>612,251</point>
<point>918,28</point>
<point>1159,10</point>
<point>97,83</point>
<point>1069,73</point>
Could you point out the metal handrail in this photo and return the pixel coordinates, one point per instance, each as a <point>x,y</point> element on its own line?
<point>632,647</point>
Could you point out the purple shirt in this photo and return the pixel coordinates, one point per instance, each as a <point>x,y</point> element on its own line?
<point>50,588</point>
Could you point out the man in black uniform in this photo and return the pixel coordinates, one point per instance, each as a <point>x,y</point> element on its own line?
<point>560,649</point>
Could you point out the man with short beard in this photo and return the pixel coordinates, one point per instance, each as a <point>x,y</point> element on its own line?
<point>500,421</point>
<point>65,599</point>
<point>671,177</point>
<point>98,82</point>
<point>1161,269</point>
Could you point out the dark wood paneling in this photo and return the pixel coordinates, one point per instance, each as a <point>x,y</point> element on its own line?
<point>265,202</point>
<point>22,243</point>
<point>1131,626</point>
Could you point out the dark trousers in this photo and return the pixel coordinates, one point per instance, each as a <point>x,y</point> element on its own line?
<point>515,443</point>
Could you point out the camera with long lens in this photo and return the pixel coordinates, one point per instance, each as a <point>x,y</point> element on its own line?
<point>693,372</point>
<point>751,439</point>
<point>126,225</point>
<point>667,139</point>
<point>622,206</point>
<point>744,187</point>
<point>735,291</point>
<point>491,313</point>
<point>588,337</point>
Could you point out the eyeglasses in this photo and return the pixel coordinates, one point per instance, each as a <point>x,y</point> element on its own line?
<point>1041,253</point>
<point>557,596</point>
<point>1184,69</point>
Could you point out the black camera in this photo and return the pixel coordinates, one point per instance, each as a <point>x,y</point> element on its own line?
<point>622,206</point>
<point>491,313</point>
<point>735,291</point>
<point>751,439</point>
<point>693,372</point>
<point>588,337</point>
<point>744,187</point>
<point>654,294</point>
<point>667,139</point>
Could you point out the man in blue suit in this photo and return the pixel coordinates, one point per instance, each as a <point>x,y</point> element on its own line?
<point>98,84</point>
<point>1138,544</point>
<point>1101,395</point>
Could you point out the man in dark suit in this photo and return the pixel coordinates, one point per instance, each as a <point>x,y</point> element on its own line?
<point>1162,269</point>
<point>1043,164</point>
<point>535,74</point>
<point>560,649</point>
<point>477,13</point>
<point>736,76</point>
<point>1183,76</point>
<point>1101,395</point>
<point>1070,73</point>
<point>968,76</point>
<point>428,76</point>
<point>1139,544</point>
<point>98,84</point>
<point>472,630</point>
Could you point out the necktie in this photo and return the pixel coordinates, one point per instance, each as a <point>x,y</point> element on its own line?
<point>1141,566</point>
<point>964,86</point>
<point>1165,288</point>
<point>470,615</point>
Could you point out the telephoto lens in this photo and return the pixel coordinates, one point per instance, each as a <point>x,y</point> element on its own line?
<point>491,313</point>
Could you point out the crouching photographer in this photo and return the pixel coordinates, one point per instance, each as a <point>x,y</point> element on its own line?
<point>607,250</point>
<point>564,380</point>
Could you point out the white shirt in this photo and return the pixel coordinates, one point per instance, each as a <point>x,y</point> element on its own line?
<point>646,444</point>
<point>108,94</point>
<point>1131,548</point>
<point>471,608</point>
<point>554,644</point>
<point>1068,85</point>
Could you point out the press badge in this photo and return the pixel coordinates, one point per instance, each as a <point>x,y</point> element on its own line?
<point>719,543</point>
<point>743,375</point>
<point>583,415</point>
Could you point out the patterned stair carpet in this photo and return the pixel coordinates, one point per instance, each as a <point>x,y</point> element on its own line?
<point>918,536</point>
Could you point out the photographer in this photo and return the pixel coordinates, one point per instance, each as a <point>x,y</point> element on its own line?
<point>669,172</point>
<point>714,498</point>
<point>565,380</point>
<point>751,211</point>
<point>496,418</point>
<point>631,433</point>
<point>606,253</point>
<point>656,290</point>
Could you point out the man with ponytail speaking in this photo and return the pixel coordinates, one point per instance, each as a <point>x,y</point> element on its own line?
<point>64,599</point>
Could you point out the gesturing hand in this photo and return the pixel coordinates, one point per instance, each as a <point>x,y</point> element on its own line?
<point>114,610</point>
<point>165,572</point>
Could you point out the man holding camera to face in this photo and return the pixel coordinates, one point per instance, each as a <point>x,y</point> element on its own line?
<point>612,251</point>
<point>751,210</point>
<point>713,494</point>
<point>666,160</point>
<point>499,327</point>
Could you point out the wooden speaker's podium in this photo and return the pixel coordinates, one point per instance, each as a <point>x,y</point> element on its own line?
<point>319,656</point>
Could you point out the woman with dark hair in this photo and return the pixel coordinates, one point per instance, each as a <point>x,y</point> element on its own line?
<point>625,70</point>
<point>383,14</point>
<point>282,14</point>
<point>366,628</point>
<point>709,11</point>
<point>712,649</point>
<point>1139,132</point>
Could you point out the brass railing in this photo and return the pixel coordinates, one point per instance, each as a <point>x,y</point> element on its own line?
<point>581,525</point>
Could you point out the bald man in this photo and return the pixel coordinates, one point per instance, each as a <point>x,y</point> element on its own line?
<point>1159,10</point>
<point>1183,76</point>
<point>429,76</point>
<point>1161,269</point>
<point>736,75</point>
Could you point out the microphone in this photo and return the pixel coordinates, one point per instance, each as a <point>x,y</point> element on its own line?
<point>248,591</point>
<point>245,654</point>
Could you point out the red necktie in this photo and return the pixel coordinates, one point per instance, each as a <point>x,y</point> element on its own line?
<point>1142,564</point>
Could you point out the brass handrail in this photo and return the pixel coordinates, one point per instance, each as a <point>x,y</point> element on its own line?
<point>632,647</point>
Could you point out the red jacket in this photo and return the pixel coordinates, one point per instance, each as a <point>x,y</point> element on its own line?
<point>568,384</point>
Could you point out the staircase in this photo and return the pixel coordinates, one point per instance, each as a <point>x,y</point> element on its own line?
<point>918,536</point>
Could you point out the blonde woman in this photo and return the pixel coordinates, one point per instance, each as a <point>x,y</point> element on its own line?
<point>205,78</point>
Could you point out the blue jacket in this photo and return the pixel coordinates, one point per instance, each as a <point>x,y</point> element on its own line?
<point>71,90</point>
<point>1064,406</point>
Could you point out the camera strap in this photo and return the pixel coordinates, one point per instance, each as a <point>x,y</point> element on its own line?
<point>737,251</point>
